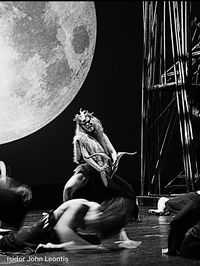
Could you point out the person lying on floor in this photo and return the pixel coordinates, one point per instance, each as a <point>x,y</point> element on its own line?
<point>167,206</point>
<point>184,235</point>
<point>59,228</point>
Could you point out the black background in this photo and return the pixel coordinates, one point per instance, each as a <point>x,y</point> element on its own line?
<point>112,90</point>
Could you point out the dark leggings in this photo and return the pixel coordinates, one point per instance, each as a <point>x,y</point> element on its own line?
<point>30,236</point>
<point>121,187</point>
<point>190,247</point>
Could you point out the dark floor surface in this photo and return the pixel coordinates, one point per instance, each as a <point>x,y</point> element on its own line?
<point>152,232</point>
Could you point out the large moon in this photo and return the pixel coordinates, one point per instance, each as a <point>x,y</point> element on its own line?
<point>46,50</point>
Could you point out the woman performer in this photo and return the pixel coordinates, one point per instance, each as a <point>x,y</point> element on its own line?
<point>95,156</point>
<point>89,139</point>
<point>58,229</point>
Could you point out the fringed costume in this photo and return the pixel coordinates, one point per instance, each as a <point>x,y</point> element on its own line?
<point>95,155</point>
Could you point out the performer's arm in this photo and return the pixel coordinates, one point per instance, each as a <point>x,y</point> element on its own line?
<point>110,148</point>
<point>70,245</point>
<point>61,209</point>
<point>72,219</point>
<point>90,161</point>
<point>3,172</point>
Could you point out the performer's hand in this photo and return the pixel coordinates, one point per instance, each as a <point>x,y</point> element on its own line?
<point>114,166</point>
<point>42,247</point>
<point>114,158</point>
<point>105,168</point>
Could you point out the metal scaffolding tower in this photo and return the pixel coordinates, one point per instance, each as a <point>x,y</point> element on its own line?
<point>171,66</point>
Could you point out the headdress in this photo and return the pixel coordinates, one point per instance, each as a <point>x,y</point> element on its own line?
<point>82,116</point>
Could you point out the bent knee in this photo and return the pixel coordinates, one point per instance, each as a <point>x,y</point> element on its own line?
<point>75,180</point>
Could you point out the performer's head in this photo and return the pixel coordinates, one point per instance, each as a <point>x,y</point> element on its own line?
<point>88,122</point>
<point>110,216</point>
<point>24,191</point>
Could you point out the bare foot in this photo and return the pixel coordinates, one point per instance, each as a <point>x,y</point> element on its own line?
<point>164,250</point>
<point>129,244</point>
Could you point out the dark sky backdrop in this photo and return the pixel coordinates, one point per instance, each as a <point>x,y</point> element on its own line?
<point>112,90</point>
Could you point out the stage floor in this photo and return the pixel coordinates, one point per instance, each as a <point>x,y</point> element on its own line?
<point>152,232</point>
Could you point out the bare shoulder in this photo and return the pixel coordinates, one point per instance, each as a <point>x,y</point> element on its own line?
<point>78,201</point>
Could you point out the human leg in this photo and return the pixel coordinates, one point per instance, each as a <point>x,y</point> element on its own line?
<point>126,242</point>
<point>77,181</point>
<point>120,187</point>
